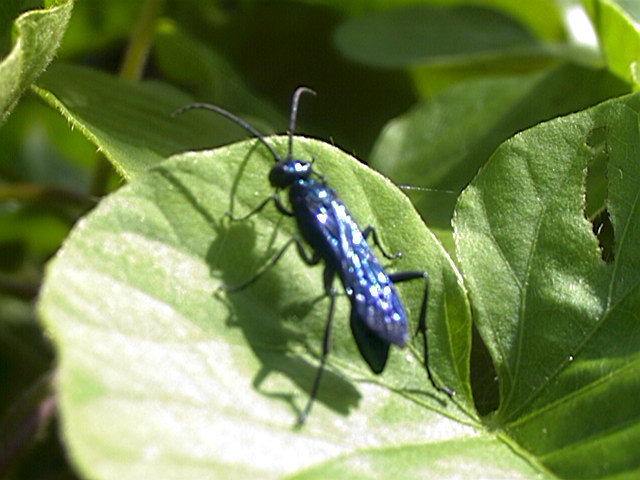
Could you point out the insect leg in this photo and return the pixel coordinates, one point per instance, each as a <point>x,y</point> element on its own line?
<point>308,259</point>
<point>399,277</point>
<point>276,200</point>
<point>326,341</point>
<point>371,231</point>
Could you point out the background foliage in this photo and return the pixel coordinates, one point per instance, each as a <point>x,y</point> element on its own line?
<point>120,357</point>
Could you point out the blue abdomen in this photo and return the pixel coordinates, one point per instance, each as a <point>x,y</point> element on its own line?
<point>326,224</point>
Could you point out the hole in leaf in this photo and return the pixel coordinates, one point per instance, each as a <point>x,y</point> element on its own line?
<point>596,185</point>
<point>603,230</point>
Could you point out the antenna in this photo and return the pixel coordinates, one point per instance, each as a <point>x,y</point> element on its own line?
<point>294,113</point>
<point>243,123</point>
<point>250,128</point>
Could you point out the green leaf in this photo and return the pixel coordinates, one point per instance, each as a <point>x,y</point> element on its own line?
<point>631,7</point>
<point>38,146</point>
<point>130,122</point>
<point>442,141</point>
<point>420,34</point>
<point>561,323</point>
<point>542,16</point>
<point>164,376</point>
<point>38,36</point>
<point>463,458</point>
<point>619,38</point>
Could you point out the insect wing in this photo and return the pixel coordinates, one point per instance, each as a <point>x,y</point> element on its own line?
<point>375,299</point>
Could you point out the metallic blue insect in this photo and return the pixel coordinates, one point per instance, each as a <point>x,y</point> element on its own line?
<point>378,317</point>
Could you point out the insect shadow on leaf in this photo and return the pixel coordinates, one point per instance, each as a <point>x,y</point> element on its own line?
<point>271,336</point>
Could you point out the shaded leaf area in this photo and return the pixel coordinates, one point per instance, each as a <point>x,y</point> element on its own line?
<point>96,28</point>
<point>443,141</point>
<point>165,376</point>
<point>39,33</point>
<point>420,34</point>
<point>21,362</point>
<point>541,17</point>
<point>209,76</point>
<point>444,44</point>
<point>130,122</point>
<point>632,8</point>
<point>561,324</point>
<point>38,147</point>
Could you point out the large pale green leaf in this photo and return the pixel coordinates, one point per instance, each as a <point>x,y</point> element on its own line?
<point>162,375</point>
<point>560,322</point>
<point>38,36</point>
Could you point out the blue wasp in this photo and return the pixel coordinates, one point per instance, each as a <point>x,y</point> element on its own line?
<point>378,317</point>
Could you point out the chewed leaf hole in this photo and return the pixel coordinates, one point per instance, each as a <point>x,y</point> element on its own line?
<point>603,230</point>
<point>596,188</point>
